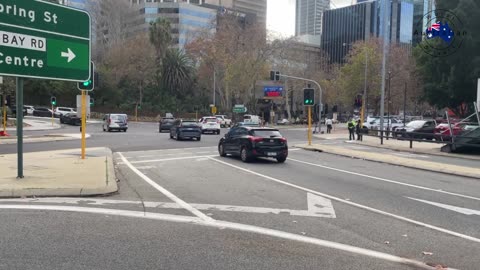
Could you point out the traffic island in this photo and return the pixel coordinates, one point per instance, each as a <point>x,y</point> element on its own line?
<point>395,160</point>
<point>59,173</point>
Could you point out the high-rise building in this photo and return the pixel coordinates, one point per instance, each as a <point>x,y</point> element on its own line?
<point>188,18</point>
<point>81,4</point>
<point>257,7</point>
<point>308,19</point>
<point>344,26</point>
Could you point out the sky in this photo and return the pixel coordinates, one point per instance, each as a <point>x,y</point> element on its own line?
<point>281,15</point>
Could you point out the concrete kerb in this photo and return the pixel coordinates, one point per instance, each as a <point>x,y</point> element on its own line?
<point>418,150</point>
<point>44,138</point>
<point>398,161</point>
<point>41,184</point>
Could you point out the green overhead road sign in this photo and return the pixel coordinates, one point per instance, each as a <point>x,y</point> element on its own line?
<point>44,40</point>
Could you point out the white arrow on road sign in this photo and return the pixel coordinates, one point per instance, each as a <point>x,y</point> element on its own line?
<point>69,54</point>
<point>317,206</point>
<point>457,209</point>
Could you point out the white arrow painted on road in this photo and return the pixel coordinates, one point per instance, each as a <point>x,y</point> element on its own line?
<point>69,54</point>
<point>457,209</point>
<point>317,206</point>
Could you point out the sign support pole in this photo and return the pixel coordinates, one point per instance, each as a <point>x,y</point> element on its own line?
<point>84,118</point>
<point>52,115</point>
<point>309,125</point>
<point>19,128</point>
<point>4,116</point>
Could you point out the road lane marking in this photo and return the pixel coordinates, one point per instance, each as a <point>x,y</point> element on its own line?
<point>457,209</point>
<point>228,225</point>
<point>317,206</point>
<point>170,159</point>
<point>385,180</point>
<point>165,192</point>
<point>368,208</point>
<point>171,149</point>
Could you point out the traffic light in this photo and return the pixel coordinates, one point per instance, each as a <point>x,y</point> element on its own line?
<point>88,85</point>
<point>53,101</point>
<point>92,101</point>
<point>275,75</point>
<point>308,96</point>
<point>10,101</point>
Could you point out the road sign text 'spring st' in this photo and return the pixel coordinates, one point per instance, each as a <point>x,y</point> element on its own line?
<point>44,40</point>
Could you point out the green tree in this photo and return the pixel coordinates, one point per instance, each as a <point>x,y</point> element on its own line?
<point>160,37</point>
<point>451,81</point>
<point>177,72</point>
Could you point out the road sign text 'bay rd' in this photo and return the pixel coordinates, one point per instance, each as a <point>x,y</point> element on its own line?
<point>44,40</point>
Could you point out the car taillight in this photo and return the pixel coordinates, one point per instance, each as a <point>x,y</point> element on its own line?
<point>255,139</point>
<point>284,140</point>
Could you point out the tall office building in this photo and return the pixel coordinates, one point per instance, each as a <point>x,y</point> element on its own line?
<point>257,7</point>
<point>345,26</point>
<point>81,4</point>
<point>187,17</point>
<point>308,20</point>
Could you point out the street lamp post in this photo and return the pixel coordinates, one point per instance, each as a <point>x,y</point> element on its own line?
<point>364,99</point>
<point>388,102</point>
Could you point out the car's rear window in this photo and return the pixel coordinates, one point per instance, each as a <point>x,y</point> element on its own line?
<point>189,124</point>
<point>168,121</point>
<point>119,117</point>
<point>266,133</point>
<point>211,119</point>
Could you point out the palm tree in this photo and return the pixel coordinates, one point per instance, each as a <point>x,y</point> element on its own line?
<point>160,36</point>
<point>177,72</point>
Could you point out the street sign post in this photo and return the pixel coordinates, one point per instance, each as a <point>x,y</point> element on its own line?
<point>44,40</point>
<point>239,108</point>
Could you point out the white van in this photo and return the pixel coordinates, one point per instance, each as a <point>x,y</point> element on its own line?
<point>251,119</point>
<point>115,121</point>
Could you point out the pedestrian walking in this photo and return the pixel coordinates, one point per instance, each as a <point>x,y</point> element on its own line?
<point>329,124</point>
<point>358,129</point>
<point>351,129</point>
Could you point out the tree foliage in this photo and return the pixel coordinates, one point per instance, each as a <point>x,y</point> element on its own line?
<point>450,82</point>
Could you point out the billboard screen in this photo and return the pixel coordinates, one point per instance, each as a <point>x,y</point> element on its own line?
<point>273,91</point>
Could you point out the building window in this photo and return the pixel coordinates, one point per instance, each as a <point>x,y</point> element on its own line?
<point>149,10</point>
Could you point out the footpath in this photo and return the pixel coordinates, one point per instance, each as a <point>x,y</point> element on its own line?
<point>59,173</point>
<point>337,143</point>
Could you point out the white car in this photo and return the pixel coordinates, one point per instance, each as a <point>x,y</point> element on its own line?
<point>210,124</point>
<point>29,108</point>
<point>117,121</point>
<point>392,123</point>
<point>64,110</point>
<point>224,121</point>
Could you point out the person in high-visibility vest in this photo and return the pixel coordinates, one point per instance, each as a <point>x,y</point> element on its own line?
<point>351,129</point>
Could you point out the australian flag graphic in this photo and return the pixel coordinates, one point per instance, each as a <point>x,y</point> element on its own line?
<point>439,30</point>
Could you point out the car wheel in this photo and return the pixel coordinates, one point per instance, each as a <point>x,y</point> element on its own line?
<point>221,150</point>
<point>218,132</point>
<point>171,136</point>
<point>125,130</point>
<point>281,160</point>
<point>178,137</point>
<point>245,155</point>
<point>199,138</point>
<point>109,129</point>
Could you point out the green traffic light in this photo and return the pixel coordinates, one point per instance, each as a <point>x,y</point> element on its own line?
<point>87,83</point>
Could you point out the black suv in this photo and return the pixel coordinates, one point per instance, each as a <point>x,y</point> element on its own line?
<point>252,142</point>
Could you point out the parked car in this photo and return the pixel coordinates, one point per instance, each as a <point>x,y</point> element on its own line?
<point>13,110</point>
<point>30,109</point>
<point>64,110</point>
<point>254,119</point>
<point>186,129</point>
<point>224,120</point>
<point>392,123</point>
<point>115,121</point>
<point>45,112</point>
<point>242,124</point>
<point>70,119</point>
<point>210,124</point>
<point>252,142</point>
<point>442,131</point>
<point>284,121</point>
<point>166,124</point>
<point>418,129</point>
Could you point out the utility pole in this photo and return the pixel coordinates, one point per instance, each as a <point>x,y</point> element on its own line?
<point>405,105</point>
<point>386,35</point>
<point>388,102</point>
<point>364,101</point>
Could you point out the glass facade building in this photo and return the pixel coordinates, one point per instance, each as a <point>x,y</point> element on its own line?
<point>345,26</point>
<point>187,18</point>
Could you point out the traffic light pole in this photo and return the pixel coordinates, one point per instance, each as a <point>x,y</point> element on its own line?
<point>4,115</point>
<point>84,120</point>
<point>320,94</point>
<point>309,125</point>
<point>19,128</point>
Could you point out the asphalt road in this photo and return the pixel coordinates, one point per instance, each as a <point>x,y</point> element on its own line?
<point>181,206</point>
